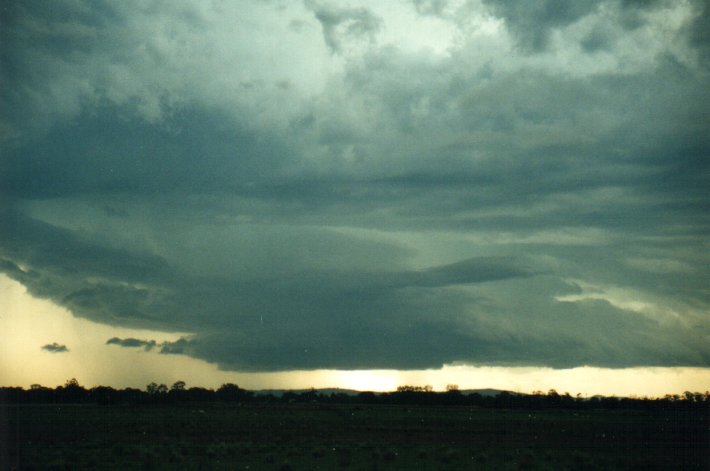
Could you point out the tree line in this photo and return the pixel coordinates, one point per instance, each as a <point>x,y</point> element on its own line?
<point>178,392</point>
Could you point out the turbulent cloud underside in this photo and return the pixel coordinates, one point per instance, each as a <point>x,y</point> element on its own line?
<point>313,185</point>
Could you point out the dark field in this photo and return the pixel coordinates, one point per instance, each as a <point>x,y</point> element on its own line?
<point>339,436</point>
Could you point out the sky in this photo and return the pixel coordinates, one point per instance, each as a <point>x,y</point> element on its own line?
<point>356,193</point>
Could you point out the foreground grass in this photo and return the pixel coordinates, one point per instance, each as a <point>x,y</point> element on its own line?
<point>319,436</point>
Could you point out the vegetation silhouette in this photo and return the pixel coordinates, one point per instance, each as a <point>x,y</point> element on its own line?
<point>413,427</point>
<point>157,394</point>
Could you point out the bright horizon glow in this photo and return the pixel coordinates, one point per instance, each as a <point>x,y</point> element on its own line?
<point>31,323</point>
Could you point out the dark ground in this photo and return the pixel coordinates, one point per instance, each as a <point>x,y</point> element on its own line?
<point>339,436</point>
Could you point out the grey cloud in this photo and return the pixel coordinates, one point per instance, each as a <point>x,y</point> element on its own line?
<point>602,37</point>
<point>126,62</point>
<point>147,345</point>
<point>430,7</point>
<point>55,348</point>
<point>92,279</point>
<point>46,32</point>
<point>640,3</point>
<point>114,212</point>
<point>532,21</point>
<point>139,158</point>
<point>699,32</point>
<point>178,347</point>
<point>48,247</point>
<point>633,11</point>
<point>563,124</point>
<point>341,25</point>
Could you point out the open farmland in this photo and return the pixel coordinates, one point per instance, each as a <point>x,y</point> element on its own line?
<point>347,436</point>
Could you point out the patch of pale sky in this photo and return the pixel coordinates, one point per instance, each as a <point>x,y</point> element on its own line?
<point>29,323</point>
<point>566,236</point>
<point>404,29</point>
<point>659,265</point>
<point>624,298</point>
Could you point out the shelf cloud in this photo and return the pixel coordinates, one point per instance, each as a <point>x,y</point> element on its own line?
<point>304,185</point>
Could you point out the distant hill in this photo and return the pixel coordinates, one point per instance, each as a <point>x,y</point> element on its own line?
<point>353,392</point>
<point>490,392</point>
<point>323,391</point>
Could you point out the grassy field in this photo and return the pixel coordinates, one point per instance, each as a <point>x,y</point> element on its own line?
<point>324,436</point>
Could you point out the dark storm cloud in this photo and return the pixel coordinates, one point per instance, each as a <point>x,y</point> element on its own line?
<point>533,22</point>
<point>112,286</point>
<point>36,37</point>
<point>55,348</point>
<point>437,333</point>
<point>92,279</point>
<point>138,158</point>
<point>324,196</point>
<point>35,243</point>
<point>52,249</point>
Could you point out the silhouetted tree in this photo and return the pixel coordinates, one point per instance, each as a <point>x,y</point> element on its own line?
<point>200,394</point>
<point>367,397</point>
<point>103,395</point>
<point>71,392</point>
<point>40,394</point>
<point>415,389</point>
<point>157,392</point>
<point>453,388</point>
<point>231,392</point>
<point>156,389</point>
<point>309,396</point>
<point>72,383</point>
